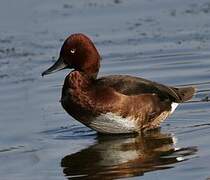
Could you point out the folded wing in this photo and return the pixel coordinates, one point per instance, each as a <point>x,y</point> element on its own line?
<point>129,85</point>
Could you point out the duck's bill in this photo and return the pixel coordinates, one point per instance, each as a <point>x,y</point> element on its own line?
<point>59,65</point>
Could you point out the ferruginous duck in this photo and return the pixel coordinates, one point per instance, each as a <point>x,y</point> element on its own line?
<point>113,104</point>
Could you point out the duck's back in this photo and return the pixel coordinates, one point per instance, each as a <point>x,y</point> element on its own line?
<point>130,85</point>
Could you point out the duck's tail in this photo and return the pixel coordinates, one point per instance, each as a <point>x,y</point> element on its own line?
<point>184,93</point>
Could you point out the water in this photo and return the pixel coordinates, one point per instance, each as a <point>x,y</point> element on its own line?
<point>164,41</point>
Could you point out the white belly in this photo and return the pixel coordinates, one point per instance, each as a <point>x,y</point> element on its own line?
<point>112,123</point>
<point>115,124</point>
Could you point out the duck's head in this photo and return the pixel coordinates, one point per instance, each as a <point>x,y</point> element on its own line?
<point>79,53</point>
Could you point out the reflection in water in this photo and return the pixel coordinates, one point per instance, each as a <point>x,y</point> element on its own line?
<point>125,156</point>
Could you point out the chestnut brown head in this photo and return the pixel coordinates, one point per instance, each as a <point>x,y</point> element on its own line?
<point>78,52</point>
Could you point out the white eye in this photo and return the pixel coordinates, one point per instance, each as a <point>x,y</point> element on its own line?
<point>73,51</point>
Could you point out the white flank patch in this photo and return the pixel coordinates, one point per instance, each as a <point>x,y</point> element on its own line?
<point>112,123</point>
<point>173,107</point>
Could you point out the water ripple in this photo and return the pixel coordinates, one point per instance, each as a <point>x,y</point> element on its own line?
<point>74,131</point>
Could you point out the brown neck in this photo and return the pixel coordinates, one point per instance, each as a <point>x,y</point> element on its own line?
<point>88,61</point>
<point>91,71</point>
<point>89,66</point>
<point>77,80</point>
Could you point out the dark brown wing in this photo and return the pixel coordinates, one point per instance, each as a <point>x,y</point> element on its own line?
<point>129,85</point>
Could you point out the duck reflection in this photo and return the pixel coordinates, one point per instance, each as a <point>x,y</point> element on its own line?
<point>114,157</point>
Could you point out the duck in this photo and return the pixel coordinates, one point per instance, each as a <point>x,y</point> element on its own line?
<point>114,104</point>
